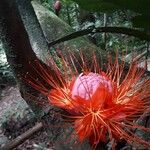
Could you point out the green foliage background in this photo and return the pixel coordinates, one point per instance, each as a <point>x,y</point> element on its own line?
<point>140,7</point>
<point>133,14</point>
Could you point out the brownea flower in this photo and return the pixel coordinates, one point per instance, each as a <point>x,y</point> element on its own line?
<point>104,105</point>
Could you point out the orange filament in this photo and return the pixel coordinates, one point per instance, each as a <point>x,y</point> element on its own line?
<point>103,105</point>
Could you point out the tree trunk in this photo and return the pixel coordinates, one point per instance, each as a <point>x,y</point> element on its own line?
<point>24,43</point>
<point>19,27</point>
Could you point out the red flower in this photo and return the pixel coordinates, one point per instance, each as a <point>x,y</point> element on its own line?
<point>102,104</point>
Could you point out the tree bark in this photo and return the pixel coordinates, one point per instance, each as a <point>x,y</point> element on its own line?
<point>19,28</point>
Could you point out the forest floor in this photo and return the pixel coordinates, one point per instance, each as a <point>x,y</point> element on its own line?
<point>16,118</point>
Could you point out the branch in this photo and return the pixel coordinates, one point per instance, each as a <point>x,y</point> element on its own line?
<point>20,139</point>
<point>120,30</point>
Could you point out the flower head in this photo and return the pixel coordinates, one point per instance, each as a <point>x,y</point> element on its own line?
<point>103,104</point>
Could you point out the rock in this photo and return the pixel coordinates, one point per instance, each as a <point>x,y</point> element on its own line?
<point>54,28</point>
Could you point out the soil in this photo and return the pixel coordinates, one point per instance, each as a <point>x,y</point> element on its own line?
<point>16,118</point>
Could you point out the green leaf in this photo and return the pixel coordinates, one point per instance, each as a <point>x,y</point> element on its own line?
<point>142,7</point>
<point>97,5</point>
<point>139,6</point>
<point>142,21</point>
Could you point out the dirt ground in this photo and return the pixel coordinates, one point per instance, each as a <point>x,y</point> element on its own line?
<point>16,118</point>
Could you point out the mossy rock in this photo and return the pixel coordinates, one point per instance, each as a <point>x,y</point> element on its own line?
<point>54,28</point>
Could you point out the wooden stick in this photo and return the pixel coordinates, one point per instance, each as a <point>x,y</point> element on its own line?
<point>20,139</point>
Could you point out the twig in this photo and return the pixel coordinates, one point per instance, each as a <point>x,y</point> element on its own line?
<point>139,56</point>
<point>20,139</point>
<point>120,30</point>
